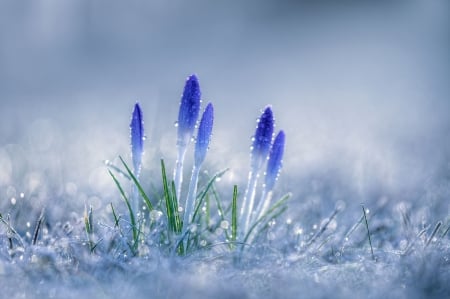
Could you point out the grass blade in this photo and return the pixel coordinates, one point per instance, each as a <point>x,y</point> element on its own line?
<point>202,194</point>
<point>234,215</point>
<point>116,219</point>
<point>89,228</point>
<point>130,210</point>
<point>168,199</point>
<point>38,227</point>
<point>433,234</point>
<point>138,185</point>
<point>368,232</point>
<point>277,209</point>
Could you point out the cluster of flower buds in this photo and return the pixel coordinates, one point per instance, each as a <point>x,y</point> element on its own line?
<point>264,149</point>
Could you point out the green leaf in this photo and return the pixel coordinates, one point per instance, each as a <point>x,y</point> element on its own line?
<point>138,185</point>
<point>130,210</point>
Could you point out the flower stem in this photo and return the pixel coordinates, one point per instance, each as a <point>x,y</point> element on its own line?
<point>247,205</point>
<point>190,200</point>
<point>178,173</point>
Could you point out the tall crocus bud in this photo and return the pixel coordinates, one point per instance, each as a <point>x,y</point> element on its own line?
<point>260,150</point>
<point>201,147</point>
<point>275,161</point>
<point>137,149</point>
<point>189,111</point>
<point>187,119</point>
<point>272,171</point>
<point>262,139</point>
<point>137,138</point>
<point>204,135</point>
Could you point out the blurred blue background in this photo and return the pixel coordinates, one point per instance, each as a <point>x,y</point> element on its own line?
<point>360,87</point>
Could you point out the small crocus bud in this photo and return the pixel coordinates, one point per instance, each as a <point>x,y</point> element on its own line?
<point>263,138</point>
<point>137,138</point>
<point>204,134</point>
<point>275,161</point>
<point>189,110</point>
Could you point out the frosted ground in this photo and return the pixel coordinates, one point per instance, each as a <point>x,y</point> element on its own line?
<point>361,90</point>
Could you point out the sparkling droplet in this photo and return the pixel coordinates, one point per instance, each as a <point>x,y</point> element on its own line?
<point>193,228</point>
<point>224,224</point>
<point>13,201</point>
<point>155,215</point>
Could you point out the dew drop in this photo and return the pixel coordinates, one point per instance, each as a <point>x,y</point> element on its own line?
<point>298,231</point>
<point>193,228</point>
<point>175,124</point>
<point>13,201</point>
<point>224,224</point>
<point>22,195</point>
<point>155,215</point>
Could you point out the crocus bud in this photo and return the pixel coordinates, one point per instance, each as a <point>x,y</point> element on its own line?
<point>204,134</point>
<point>275,161</point>
<point>262,139</point>
<point>137,138</point>
<point>189,110</point>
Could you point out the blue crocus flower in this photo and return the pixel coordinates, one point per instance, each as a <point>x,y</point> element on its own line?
<point>275,161</point>
<point>189,110</point>
<point>262,139</point>
<point>137,149</point>
<point>137,138</point>
<point>201,147</point>
<point>187,119</point>
<point>274,165</point>
<point>204,134</point>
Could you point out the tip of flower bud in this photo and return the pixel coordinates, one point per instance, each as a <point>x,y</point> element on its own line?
<point>137,137</point>
<point>189,109</point>
<point>263,137</point>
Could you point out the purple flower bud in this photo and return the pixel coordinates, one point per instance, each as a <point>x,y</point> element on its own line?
<point>137,138</point>
<point>204,134</point>
<point>275,161</point>
<point>189,110</point>
<point>263,138</point>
